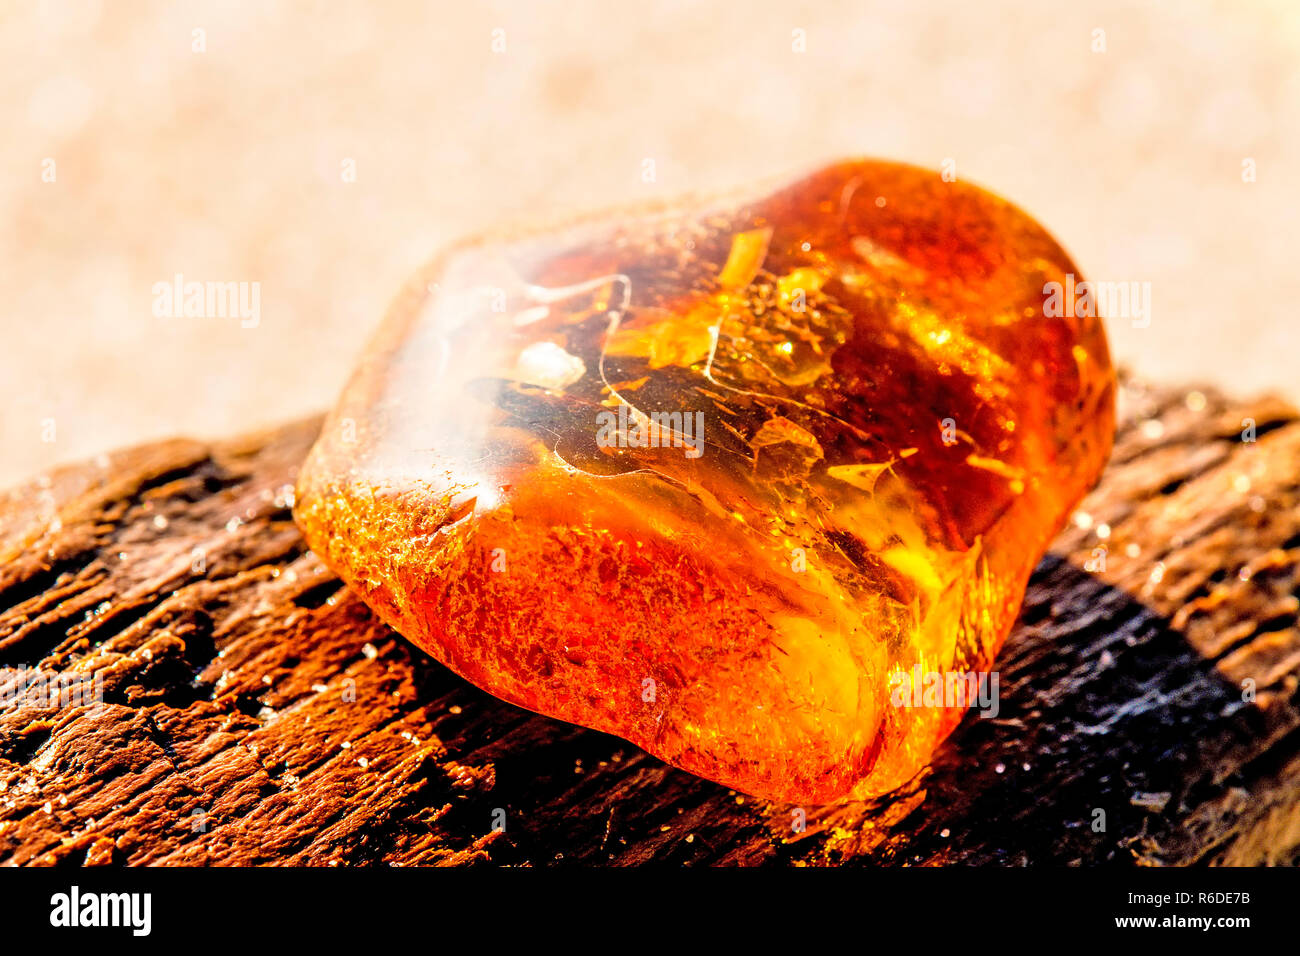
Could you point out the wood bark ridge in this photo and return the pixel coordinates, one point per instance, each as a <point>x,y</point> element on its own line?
<point>255,712</point>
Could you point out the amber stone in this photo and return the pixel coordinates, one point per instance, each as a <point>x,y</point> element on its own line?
<point>720,478</point>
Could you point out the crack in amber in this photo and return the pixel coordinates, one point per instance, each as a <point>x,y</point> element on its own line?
<point>892,432</point>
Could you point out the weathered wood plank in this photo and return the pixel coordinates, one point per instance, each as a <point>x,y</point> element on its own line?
<point>255,712</point>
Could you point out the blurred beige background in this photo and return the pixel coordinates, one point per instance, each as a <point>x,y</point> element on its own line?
<point>227,164</point>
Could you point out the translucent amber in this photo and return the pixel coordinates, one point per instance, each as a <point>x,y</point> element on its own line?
<point>720,478</point>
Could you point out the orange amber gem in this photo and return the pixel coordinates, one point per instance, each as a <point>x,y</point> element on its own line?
<point>725,481</point>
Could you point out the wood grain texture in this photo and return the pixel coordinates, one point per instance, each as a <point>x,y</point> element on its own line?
<point>255,712</point>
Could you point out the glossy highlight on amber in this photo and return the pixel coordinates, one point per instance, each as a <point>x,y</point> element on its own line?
<point>716,478</point>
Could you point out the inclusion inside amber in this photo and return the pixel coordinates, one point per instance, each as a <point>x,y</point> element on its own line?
<point>720,479</point>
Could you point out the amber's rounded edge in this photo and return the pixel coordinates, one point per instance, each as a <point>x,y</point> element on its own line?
<point>1097,410</point>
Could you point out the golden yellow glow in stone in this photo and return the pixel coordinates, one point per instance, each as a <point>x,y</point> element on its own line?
<point>717,480</point>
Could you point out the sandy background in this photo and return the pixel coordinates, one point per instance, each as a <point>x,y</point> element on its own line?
<point>228,164</point>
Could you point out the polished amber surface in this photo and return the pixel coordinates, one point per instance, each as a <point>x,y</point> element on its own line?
<point>718,479</point>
